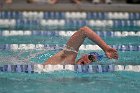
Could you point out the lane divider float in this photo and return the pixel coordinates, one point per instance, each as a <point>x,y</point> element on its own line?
<point>60,47</point>
<point>38,68</point>
<point>66,33</point>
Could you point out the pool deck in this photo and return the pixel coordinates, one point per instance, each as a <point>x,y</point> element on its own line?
<point>72,7</point>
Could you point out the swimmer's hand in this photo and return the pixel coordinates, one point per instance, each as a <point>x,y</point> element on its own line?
<point>111,53</point>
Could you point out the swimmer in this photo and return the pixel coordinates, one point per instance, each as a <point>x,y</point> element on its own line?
<point>69,53</point>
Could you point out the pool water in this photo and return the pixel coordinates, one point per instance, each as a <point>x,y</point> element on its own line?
<point>70,82</point>
<point>67,81</point>
<point>125,57</point>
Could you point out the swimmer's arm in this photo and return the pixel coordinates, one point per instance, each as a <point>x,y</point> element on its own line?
<point>94,37</point>
<point>110,52</point>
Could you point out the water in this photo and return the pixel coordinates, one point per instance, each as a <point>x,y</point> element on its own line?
<point>67,81</point>
<point>70,82</point>
<point>39,56</point>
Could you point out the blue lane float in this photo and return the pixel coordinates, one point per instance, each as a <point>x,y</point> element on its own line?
<point>64,15</point>
<point>52,24</point>
<point>38,68</point>
<point>94,68</point>
<point>66,33</point>
<point>76,68</point>
<point>60,47</point>
<point>17,68</point>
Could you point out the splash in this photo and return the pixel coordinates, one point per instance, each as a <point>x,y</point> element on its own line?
<point>19,57</point>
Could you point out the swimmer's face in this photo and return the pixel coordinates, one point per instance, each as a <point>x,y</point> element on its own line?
<point>87,59</point>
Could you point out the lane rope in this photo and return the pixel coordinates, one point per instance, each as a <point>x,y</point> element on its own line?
<point>38,68</point>
<point>60,47</point>
<point>66,33</point>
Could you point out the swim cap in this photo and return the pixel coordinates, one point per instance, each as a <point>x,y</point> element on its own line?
<point>98,56</point>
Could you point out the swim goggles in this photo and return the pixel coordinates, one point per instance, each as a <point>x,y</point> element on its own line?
<point>93,55</point>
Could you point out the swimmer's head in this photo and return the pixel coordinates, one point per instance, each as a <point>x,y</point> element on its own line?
<point>89,58</point>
